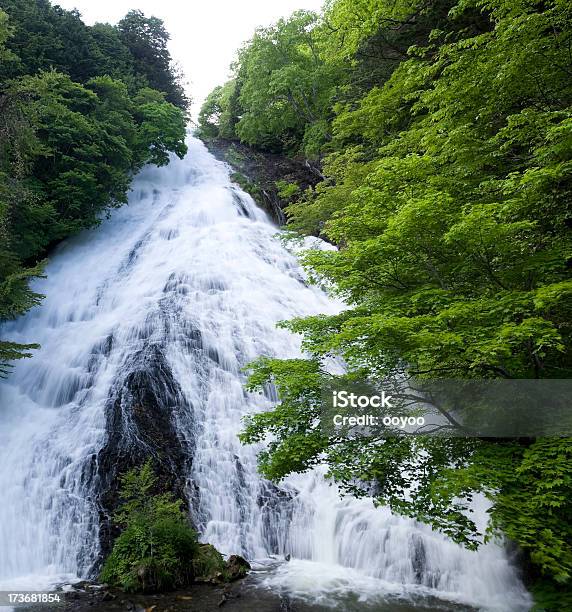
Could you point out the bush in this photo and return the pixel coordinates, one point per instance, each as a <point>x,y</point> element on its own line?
<point>157,546</point>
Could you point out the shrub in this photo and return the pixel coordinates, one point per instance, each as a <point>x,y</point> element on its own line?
<point>157,546</point>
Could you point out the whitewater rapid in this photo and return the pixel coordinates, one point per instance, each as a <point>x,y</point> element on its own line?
<point>191,271</point>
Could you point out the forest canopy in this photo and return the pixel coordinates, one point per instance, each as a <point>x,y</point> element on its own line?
<point>444,133</point>
<point>81,110</point>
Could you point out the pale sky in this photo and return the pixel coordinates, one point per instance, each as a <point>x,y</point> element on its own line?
<point>204,33</point>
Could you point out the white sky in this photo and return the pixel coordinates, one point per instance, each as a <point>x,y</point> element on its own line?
<point>204,33</point>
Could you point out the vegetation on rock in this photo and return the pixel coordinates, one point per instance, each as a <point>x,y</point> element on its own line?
<point>157,549</point>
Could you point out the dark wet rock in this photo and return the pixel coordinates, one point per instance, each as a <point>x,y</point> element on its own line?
<point>210,567</point>
<point>82,585</point>
<point>141,413</point>
<point>236,567</point>
<point>241,596</point>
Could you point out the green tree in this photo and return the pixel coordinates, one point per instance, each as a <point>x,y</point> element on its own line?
<point>285,86</point>
<point>146,39</point>
<point>77,119</point>
<point>16,298</point>
<point>114,58</point>
<point>219,112</point>
<point>15,141</point>
<point>5,32</point>
<point>159,130</point>
<point>156,548</point>
<point>49,37</point>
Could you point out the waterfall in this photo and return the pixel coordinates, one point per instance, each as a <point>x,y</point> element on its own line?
<point>162,305</point>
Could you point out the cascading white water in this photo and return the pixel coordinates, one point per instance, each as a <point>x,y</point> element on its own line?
<point>192,268</point>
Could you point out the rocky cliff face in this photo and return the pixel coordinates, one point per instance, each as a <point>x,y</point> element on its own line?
<point>259,172</point>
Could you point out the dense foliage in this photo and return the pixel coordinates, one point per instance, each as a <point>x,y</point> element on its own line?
<point>445,135</point>
<point>81,109</point>
<point>281,95</point>
<point>157,547</point>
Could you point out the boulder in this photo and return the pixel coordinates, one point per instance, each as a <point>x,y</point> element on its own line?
<point>236,567</point>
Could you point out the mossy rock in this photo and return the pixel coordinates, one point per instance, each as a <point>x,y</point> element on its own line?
<point>209,565</point>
